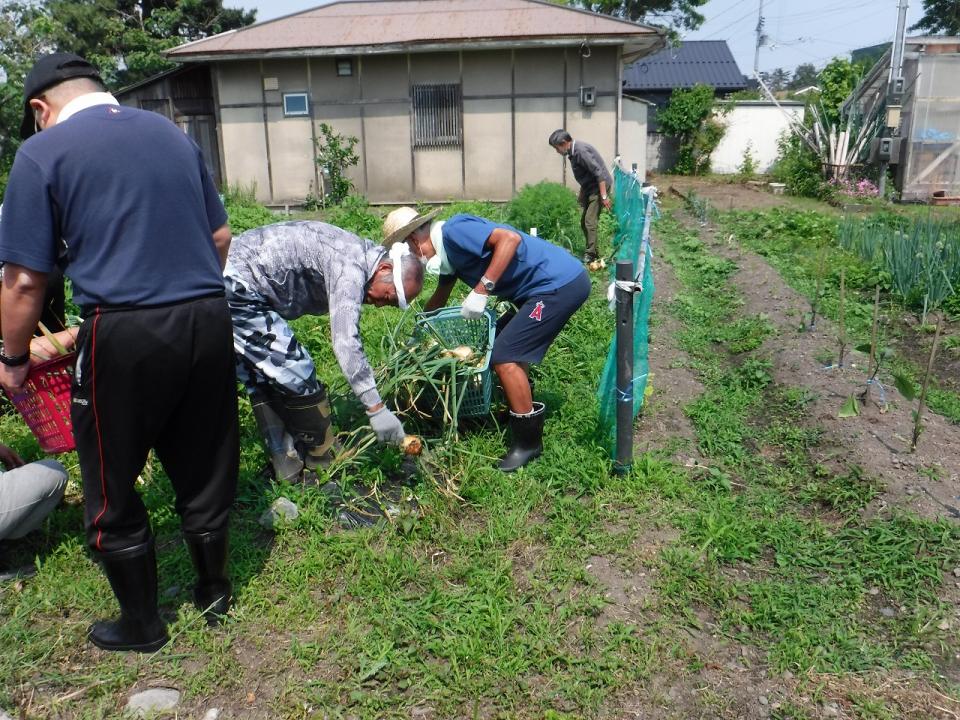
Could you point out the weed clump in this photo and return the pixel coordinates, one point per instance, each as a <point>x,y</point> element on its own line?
<point>243,210</point>
<point>355,215</point>
<point>552,209</point>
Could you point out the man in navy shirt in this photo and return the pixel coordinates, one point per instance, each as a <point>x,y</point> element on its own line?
<point>545,282</point>
<point>123,197</point>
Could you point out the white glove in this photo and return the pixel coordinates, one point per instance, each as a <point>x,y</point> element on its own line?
<point>386,425</point>
<point>474,305</point>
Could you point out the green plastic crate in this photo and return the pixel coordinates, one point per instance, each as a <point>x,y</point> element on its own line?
<point>451,329</point>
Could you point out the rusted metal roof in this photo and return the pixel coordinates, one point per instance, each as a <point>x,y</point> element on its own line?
<point>382,26</point>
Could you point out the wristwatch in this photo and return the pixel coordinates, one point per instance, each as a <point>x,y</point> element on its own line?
<point>16,360</point>
<point>487,283</point>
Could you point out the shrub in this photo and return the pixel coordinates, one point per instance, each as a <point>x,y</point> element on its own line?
<point>748,163</point>
<point>551,208</point>
<point>691,117</point>
<point>243,210</point>
<point>479,208</point>
<point>355,215</point>
<point>335,153</point>
<point>798,168</point>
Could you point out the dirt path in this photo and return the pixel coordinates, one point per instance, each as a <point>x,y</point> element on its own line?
<point>663,425</point>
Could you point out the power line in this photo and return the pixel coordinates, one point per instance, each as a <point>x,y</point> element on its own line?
<point>824,13</point>
<point>724,12</point>
<point>750,13</point>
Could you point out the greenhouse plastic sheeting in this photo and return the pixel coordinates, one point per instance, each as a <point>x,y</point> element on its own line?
<point>634,208</point>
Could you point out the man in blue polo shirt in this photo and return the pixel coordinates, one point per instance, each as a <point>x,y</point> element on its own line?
<point>545,282</point>
<point>124,197</point>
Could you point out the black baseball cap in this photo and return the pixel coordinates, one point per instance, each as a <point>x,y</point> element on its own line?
<point>48,71</point>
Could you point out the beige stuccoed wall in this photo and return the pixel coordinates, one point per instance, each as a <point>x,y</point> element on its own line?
<point>242,137</point>
<point>513,100</point>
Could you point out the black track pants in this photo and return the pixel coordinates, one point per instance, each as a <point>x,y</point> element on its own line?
<point>160,378</point>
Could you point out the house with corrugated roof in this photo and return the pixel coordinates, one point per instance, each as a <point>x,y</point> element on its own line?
<point>693,62</point>
<point>448,99</point>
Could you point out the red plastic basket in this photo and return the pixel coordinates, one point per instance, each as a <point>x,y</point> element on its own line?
<point>44,403</point>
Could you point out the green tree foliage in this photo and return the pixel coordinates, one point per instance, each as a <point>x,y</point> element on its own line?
<point>805,75</point>
<point>939,17</point>
<point>125,39</point>
<point>24,28</point>
<point>837,80</point>
<point>776,80</point>
<point>691,116</point>
<point>676,14</point>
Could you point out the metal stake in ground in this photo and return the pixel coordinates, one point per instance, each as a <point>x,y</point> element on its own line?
<point>625,380</point>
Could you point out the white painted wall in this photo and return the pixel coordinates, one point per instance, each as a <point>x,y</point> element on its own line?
<point>633,134</point>
<point>756,124</point>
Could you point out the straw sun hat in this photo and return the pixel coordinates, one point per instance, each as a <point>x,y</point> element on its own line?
<point>401,222</point>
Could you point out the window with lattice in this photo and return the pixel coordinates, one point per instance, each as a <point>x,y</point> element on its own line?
<point>437,116</point>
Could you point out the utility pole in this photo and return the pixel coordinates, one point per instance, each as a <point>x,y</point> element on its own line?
<point>760,41</point>
<point>896,53</point>
<point>894,95</point>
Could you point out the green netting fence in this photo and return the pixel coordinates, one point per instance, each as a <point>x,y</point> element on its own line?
<point>634,208</point>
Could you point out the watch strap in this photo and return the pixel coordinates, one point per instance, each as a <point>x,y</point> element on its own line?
<point>16,360</point>
<point>487,283</point>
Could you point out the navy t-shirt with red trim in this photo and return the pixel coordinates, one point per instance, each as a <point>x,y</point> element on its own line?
<point>129,195</point>
<point>538,266</point>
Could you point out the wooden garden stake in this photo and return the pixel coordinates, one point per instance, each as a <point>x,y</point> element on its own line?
<point>918,420</point>
<point>873,342</point>
<point>815,302</point>
<point>842,338</point>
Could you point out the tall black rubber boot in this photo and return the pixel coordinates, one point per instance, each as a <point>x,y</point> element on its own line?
<point>526,438</point>
<point>211,594</point>
<point>132,573</point>
<point>308,419</point>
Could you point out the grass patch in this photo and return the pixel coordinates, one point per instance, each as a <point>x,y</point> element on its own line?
<point>771,542</point>
<point>793,242</point>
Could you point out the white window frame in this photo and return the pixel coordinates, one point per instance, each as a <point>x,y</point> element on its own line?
<point>298,113</point>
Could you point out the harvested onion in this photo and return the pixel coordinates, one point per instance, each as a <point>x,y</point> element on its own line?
<point>463,353</point>
<point>411,445</point>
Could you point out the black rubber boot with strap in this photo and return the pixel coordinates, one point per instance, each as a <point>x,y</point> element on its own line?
<point>211,594</point>
<point>526,438</point>
<point>307,418</point>
<point>132,573</point>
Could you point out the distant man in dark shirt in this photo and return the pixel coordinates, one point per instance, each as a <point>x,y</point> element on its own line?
<point>595,184</point>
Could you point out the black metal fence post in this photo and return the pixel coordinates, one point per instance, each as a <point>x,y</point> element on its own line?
<point>624,369</point>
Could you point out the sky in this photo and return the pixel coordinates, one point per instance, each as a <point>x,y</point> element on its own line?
<point>811,31</point>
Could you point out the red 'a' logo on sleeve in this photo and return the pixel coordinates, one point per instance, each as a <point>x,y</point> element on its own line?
<point>537,313</point>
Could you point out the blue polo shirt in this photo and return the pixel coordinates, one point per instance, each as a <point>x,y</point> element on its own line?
<point>538,267</point>
<point>128,194</point>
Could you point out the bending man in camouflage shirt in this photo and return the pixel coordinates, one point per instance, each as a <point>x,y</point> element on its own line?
<point>284,271</point>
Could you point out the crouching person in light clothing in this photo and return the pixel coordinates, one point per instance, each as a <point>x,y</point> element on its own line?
<point>29,492</point>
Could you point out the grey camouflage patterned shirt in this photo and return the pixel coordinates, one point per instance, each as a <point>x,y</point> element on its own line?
<point>312,268</point>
